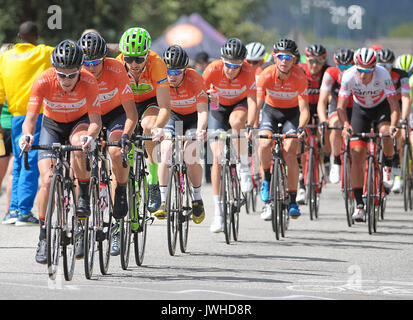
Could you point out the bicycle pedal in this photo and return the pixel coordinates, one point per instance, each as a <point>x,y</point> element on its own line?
<point>100,236</point>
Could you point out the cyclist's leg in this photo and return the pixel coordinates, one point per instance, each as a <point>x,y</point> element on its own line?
<point>114,133</point>
<point>218,120</point>
<point>163,168</point>
<point>335,139</point>
<point>78,164</point>
<point>237,121</point>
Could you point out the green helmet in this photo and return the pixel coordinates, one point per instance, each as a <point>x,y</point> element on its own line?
<point>405,62</point>
<point>135,42</point>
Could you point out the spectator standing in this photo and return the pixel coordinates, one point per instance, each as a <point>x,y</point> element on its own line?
<point>18,69</point>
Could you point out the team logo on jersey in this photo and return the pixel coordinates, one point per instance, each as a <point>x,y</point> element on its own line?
<point>66,107</point>
<point>282,94</point>
<point>103,97</point>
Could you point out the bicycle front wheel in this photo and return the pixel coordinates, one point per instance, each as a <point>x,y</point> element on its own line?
<point>236,208</point>
<point>54,225</point>
<point>68,249</point>
<point>348,193</point>
<point>139,227</point>
<point>276,205</point>
<point>310,185</point>
<point>406,177</point>
<point>184,217</point>
<point>226,201</point>
<point>370,196</point>
<point>90,230</point>
<point>174,207</point>
<point>126,228</point>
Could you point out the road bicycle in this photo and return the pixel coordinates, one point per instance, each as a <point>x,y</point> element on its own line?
<point>98,228</point>
<point>314,177</point>
<point>252,197</point>
<point>373,188</point>
<point>230,197</point>
<point>135,222</point>
<point>407,171</point>
<point>179,196</point>
<point>60,220</point>
<point>279,199</point>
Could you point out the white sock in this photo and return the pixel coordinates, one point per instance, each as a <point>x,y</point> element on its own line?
<point>163,190</point>
<point>217,206</point>
<point>197,193</point>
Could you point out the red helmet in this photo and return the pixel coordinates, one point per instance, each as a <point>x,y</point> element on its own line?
<point>365,57</point>
<point>376,47</point>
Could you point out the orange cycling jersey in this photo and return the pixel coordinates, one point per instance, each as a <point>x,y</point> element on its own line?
<point>192,91</point>
<point>114,86</point>
<point>230,91</point>
<point>282,93</point>
<point>62,106</point>
<point>153,76</point>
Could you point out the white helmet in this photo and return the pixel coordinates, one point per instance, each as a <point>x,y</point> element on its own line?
<point>255,51</point>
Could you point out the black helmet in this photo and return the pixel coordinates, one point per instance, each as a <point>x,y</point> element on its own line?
<point>175,57</point>
<point>67,55</point>
<point>385,56</point>
<point>344,56</point>
<point>93,45</point>
<point>234,49</point>
<point>286,45</point>
<point>315,50</point>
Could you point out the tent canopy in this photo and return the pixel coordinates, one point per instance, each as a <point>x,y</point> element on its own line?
<point>193,34</point>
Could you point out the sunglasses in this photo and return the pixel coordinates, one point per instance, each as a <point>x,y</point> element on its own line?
<point>343,67</point>
<point>232,65</point>
<point>92,63</point>
<point>254,62</point>
<point>67,75</point>
<point>282,56</point>
<point>386,65</point>
<point>138,59</point>
<point>363,70</point>
<point>176,72</point>
<point>315,61</point>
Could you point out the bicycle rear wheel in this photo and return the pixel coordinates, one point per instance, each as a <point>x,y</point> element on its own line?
<point>348,193</point>
<point>126,227</point>
<point>90,230</point>
<point>174,207</point>
<point>68,249</point>
<point>105,224</point>
<point>141,205</point>
<point>185,215</point>
<point>53,225</point>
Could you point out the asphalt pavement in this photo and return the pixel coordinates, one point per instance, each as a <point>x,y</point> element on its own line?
<point>317,260</point>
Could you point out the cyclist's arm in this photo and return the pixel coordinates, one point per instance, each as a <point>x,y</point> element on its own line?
<point>202,109</point>
<point>29,124</point>
<point>322,105</point>
<point>131,116</point>
<point>252,109</point>
<point>341,110</point>
<point>394,110</point>
<point>164,102</point>
<point>95,125</point>
<point>304,112</point>
<point>405,106</point>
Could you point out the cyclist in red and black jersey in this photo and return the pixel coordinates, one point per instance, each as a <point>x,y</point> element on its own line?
<point>314,70</point>
<point>400,78</point>
<point>329,90</point>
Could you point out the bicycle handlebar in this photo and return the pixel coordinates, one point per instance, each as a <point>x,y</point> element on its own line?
<point>278,136</point>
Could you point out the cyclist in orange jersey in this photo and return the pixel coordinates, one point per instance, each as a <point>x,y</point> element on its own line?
<point>150,86</point>
<point>70,99</point>
<point>119,117</point>
<point>282,93</point>
<point>232,106</point>
<point>189,115</point>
